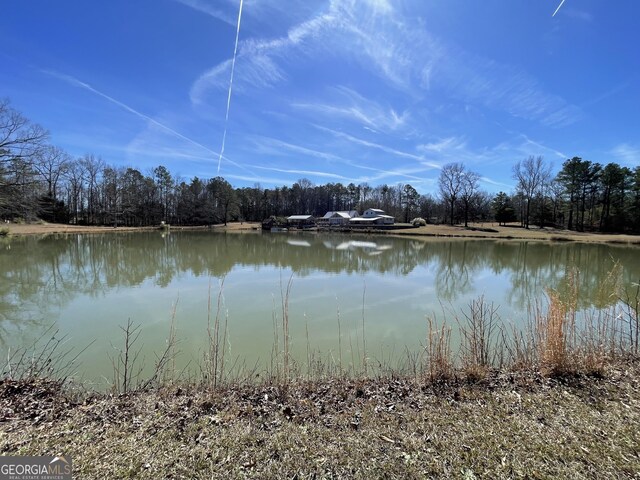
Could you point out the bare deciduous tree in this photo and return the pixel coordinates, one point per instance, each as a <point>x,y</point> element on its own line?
<point>450,184</point>
<point>52,163</point>
<point>93,168</point>
<point>468,191</point>
<point>532,174</point>
<point>19,138</point>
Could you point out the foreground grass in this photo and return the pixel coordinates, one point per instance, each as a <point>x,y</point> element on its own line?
<point>509,425</point>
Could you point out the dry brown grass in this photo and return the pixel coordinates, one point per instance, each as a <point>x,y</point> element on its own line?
<point>553,329</point>
<point>54,228</point>
<point>493,230</point>
<point>476,230</point>
<point>440,364</point>
<point>509,426</point>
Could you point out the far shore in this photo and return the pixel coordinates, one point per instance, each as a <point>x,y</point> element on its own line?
<point>43,228</point>
<point>487,230</point>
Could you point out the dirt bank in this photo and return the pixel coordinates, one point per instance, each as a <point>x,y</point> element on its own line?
<point>51,228</point>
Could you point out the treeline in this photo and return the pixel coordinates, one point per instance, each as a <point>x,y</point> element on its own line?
<point>39,180</point>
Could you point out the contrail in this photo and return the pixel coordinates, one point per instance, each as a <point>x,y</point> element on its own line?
<point>561,3</point>
<point>233,66</point>
<point>86,86</point>
<point>78,83</point>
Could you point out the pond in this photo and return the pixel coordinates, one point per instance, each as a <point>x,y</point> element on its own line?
<point>87,286</point>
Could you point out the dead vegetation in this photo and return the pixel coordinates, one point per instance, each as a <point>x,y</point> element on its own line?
<point>508,425</point>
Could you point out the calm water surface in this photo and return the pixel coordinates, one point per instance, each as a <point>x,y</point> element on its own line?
<point>89,285</point>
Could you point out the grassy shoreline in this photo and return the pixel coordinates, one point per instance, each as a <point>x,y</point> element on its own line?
<point>507,425</point>
<point>480,231</point>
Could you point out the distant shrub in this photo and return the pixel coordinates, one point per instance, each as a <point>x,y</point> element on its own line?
<point>4,231</point>
<point>419,222</point>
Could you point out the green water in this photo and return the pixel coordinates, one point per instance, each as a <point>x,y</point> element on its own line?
<point>86,286</point>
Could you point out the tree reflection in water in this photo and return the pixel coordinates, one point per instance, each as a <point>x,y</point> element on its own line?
<point>39,276</point>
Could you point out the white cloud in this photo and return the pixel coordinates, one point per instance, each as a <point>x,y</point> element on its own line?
<point>257,71</point>
<point>257,66</point>
<point>151,121</point>
<point>258,179</point>
<point>272,146</point>
<point>312,173</point>
<point>500,87</point>
<point>211,10</point>
<point>578,14</point>
<point>353,106</point>
<point>557,153</point>
<point>374,145</point>
<point>497,184</point>
<point>401,52</point>
<point>444,145</point>
<point>267,145</point>
<point>626,153</point>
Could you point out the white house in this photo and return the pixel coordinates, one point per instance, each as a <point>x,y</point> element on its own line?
<point>373,216</point>
<point>338,217</point>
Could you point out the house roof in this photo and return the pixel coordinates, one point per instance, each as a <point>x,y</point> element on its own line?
<point>300,217</point>
<point>377,210</point>
<point>342,213</point>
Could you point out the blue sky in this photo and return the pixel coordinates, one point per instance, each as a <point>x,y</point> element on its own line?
<point>377,91</point>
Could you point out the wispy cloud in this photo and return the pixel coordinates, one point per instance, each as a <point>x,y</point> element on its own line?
<point>399,51</point>
<point>377,146</point>
<point>408,173</point>
<point>362,30</point>
<point>543,147</point>
<point>497,184</point>
<point>211,10</point>
<point>312,173</point>
<point>257,71</point>
<point>77,83</point>
<point>500,87</point>
<point>353,106</point>
<point>626,153</point>
<point>578,14</point>
<point>259,179</point>
<point>273,146</point>
<point>456,149</point>
<point>444,145</point>
<point>138,145</point>
<point>152,142</point>
<point>257,65</point>
<point>609,93</point>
